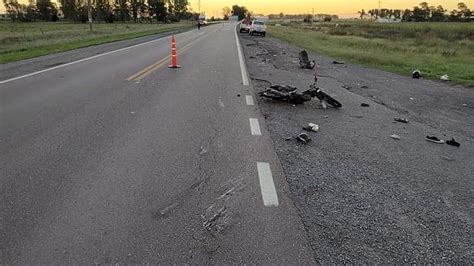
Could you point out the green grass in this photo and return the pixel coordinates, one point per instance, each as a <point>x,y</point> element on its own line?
<point>20,41</point>
<point>434,48</point>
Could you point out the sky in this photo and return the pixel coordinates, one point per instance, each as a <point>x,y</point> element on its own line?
<point>344,8</point>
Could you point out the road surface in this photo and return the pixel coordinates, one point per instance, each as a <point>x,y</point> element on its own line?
<point>119,159</point>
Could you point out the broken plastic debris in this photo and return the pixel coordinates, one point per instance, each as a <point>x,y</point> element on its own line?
<point>453,142</point>
<point>305,62</point>
<point>395,136</point>
<point>364,105</point>
<point>447,158</point>
<point>303,137</point>
<point>338,62</point>
<point>312,127</point>
<point>416,74</point>
<point>445,77</point>
<point>412,99</point>
<point>364,87</point>
<point>434,139</point>
<point>401,120</point>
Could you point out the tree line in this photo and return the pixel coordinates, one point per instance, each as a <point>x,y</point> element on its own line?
<point>423,12</point>
<point>102,10</point>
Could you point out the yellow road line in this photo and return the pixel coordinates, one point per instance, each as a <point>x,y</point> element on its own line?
<point>150,69</point>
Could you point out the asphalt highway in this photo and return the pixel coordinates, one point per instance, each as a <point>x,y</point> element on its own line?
<point>119,159</point>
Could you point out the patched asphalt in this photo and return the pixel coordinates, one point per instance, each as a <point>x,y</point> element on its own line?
<point>364,197</point>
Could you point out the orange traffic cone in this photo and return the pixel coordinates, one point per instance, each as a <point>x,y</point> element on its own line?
<point>174,56</point>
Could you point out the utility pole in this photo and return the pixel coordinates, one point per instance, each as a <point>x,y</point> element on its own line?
<point>312,16</point>
<point>380,4</point>
<point>89,14</point>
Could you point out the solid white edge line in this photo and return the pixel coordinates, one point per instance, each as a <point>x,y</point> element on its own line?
<point>243,69</point>
<point>249,99</point>
<point>255,127</point>
<point>81,60</point>
<point>267,186</point>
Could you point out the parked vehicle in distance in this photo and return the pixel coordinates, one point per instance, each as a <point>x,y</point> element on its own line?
<point>244,25</point>
<point>258,27</point>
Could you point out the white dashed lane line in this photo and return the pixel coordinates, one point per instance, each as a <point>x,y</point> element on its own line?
<point>267,187</point>
<point>249,99</point>
<point>255,127</point>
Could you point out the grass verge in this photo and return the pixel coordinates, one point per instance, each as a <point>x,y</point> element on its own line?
<point>27,40</point>
<point>434,48</point>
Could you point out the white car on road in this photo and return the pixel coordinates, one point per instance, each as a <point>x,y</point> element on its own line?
<point>258,27</point>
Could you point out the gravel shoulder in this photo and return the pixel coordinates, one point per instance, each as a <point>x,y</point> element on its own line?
<point>14,69</point>
<point>362,196</point>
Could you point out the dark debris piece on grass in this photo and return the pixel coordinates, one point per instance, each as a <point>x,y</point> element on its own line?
<point>364,105</point>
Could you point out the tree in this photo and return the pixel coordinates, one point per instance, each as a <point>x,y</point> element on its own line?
<point>407,15</point>
<point>464,11</point>
<point>47,10</point>
<point>438,14</point>
<point>180,7</point>
<point>69,9</point>
<point>240,11</point>
<point>226,12</point>
<point>121,8</point>
<point>362,14</point>
<point>14,9</point>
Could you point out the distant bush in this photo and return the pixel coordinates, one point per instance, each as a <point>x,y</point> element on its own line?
<point>327,19</point>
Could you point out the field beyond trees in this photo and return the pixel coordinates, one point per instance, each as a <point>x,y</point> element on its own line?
<point>26,40</point>
<point>434,48</point>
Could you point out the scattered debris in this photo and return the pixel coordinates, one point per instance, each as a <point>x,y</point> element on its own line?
<point>251,44</point>
<point>416,74</point>
<point>364,105</point>
<point>303,137</point>
<point>312,127</point>
<point>325,116</point>
<point>364,87</point>
<point>464,104</point>
<point>395,136</point>
<point>447,158</point>
<point>412,99</point>
<point>357,116</point>
<point>347,87</point>
<point>401,120</point>
<point>445,77</point>
<point>289,138</point>
<point>252,57</point>
<point>453,142</point>
<point>434,139</point>
<point>305,62</point>
<point>238,95</point>
<point>338,62</point>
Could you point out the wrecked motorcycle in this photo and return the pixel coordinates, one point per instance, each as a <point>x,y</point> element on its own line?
<point>291,95</point>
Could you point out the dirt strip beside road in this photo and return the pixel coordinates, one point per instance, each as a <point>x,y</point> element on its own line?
<point>363,196</point>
